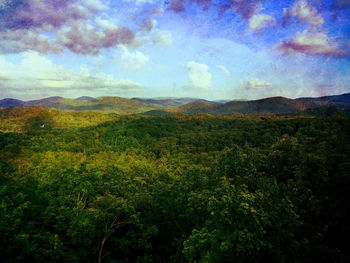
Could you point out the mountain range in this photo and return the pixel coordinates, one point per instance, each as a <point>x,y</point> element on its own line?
<point>160,106</point>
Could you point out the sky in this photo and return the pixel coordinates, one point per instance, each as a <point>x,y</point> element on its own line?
<point>210,49</point>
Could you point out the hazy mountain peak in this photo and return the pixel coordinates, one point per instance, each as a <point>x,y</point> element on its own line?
<point>86,98</point>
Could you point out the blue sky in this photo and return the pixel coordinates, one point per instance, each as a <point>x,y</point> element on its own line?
<point>233,49</point>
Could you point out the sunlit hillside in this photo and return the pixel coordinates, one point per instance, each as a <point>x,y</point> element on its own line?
<point>25,119</point>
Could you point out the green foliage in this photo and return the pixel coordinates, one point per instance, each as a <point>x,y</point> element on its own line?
<point>174,188</point>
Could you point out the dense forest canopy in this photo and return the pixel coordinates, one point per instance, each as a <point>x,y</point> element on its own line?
<point>93,187</point>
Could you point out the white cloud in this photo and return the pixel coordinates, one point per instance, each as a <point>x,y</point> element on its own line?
<point>255,83</point>
<point>105,24</point>
<point>199,75</point>
<point>224,69</point>
<point>155,37</point>
<point>260,21</point>
<point>312,44</point>
<point>306,14</point>
<point>96,4</point>
<point>36,74</point>
<point>133,61</point>
<point>162,37</point>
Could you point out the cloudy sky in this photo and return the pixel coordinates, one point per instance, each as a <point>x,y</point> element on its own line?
<point>213,49</point>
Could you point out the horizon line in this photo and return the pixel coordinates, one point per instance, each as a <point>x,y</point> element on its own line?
<point>172,97</point>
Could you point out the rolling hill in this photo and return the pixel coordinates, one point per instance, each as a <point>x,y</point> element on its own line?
<point>86,98</point>
<point>273,105</point>
<point>167,102</point>
<point>174,102</point>
<point>102,104</point>
<point>11,103</point>
<point>161,106</point>
<point>23,119</point>
<point>197,107</point>
<point>343,98</point>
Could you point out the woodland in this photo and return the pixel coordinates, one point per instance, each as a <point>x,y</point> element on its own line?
<point>94,187</point>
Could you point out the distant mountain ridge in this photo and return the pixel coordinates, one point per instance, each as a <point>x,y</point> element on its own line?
<point>86,98</point>
<point>103,104</point>
<point>168,102</point>
<point>11,103</point>
<point>273,105</point>
<point>161,106</point>
<point>343,98</point>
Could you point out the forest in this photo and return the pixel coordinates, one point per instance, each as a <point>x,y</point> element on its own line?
<point>173,188</point>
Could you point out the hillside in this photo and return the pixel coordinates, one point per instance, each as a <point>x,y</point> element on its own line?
<point>86,98</point>
<point>102,104</point>
<point>26,119</point>
<point>168,102</point>
<point>197,107</point>
<point>274,105</point>
<point>11,103</point>
<point>343,98</point>
<point>161,106</point>
<point>264,106</point>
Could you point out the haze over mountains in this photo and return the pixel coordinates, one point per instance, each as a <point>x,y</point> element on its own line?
<point>160,106</point>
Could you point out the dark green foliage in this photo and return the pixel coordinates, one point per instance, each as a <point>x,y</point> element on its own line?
<point>177,188</point>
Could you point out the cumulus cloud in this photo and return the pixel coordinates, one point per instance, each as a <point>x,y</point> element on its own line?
<point>198,75</point>
<point>36,73</point>
<point>156,37</point>
<point>84,27</point>
<point>162,37</point>
<point>255,83</point>
<point>50,26</point>
<point>305,13</point>
<point>21,40</point>
<point>312,44</point>
<point>28,14</point>
<point>105,24</point>
<point>223,69</point>
<point>260,21</point>
<point>133,61</point>
<point>80,37</point>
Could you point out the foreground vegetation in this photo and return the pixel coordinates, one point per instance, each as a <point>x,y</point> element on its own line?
<point>175,188</point>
